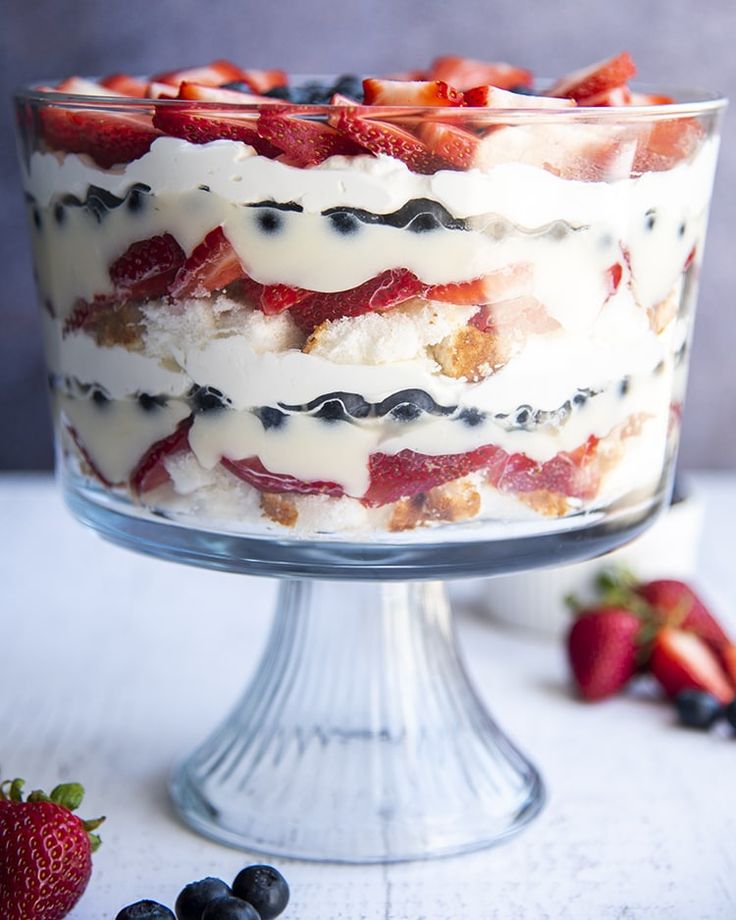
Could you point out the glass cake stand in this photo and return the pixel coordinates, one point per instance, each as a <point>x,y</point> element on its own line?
<point>360,737</point>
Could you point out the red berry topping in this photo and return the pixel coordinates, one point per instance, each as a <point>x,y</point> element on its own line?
<point>212,265</point>
<point>148,267</point>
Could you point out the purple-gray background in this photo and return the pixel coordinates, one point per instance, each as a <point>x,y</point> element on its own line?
<point>676,42</point>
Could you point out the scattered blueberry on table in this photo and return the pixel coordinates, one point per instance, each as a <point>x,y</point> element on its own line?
<point>196,896</point>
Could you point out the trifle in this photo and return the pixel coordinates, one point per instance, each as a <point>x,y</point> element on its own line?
<point>367,308</point>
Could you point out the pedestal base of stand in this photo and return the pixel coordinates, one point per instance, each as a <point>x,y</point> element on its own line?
<point>360,738</point>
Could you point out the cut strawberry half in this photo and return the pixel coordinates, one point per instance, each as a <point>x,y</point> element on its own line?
<point>214,74</point>
<point>200,127</point>
<point>148,267</point>
<point>79,86</point>
<point>383,138</point>
<point>452,144</point>
<point>252,471</point>
<point>682,661</point>
<point>107,137</point>
<point>493,97</point>
<point>598,78</point>
<point>212,265</point>
<point>388,289</point>
<point>399,92</point>
<point>504,284</point>
<point>261,81</point>
<point>667,143</point>
<point>464,73</point>
<point>126,85</point>
<point>573,474</point>
<point>151,470</point>
<point>617,95</point>
<point>402,475</point>
<point>304,142</point>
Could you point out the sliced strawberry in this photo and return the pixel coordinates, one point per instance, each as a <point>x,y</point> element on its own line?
<point>212,265</point>
<point>388,289</point>
<point>151,471</point>
<point>503,284</point>
<point>676,604</point>
<point>650,99</point>
<point>614,274</point>
<point>682,661</point>
<point>200,127</point>
<point>463,73</point>
<point>493,97</point>
<point>126,85</point>
<point>273,298</point>
<point>602,649</point>
<point>108,137</point>
<point>148,267</point>
<point>402,475</point>
<point>573,474</point>
<point>252,471</point>
<point>451,143</point>
<point>305,143</point>
<point>617,95</point>
<point>414,92</point>
<point>214,74</point>
<point>667,143</point>
<point>160,91</point>
<point>261,81</point>
<point>199,92</point>
<point>598,78</point>
<point>516,318</point>
<point>380,137</point>
<point>79,86</point>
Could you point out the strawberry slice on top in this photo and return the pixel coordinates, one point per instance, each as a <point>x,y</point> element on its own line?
<point>404,92</point>
<point>214,74</point>
<point>381,137</point>
<point>598,78</point>
<point>493,97</point>
<point>304,142</point>
<point>126,85</point>
<point>108,137</point>
<point>464,73</point>
<point>261,81</point>
<point>212,265</point>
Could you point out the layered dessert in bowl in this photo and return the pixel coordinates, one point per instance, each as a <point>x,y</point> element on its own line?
<point>367,309</point>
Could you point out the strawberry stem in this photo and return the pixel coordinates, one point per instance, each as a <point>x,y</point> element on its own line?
<point>66,795</point>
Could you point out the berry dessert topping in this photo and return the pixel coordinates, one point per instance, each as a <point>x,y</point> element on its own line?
<point>145,910</point>
<point>196,896</point>
<point>45,851</point>
<point>265,888</point>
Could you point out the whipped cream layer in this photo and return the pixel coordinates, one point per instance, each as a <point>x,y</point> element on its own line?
<point>513,213</point>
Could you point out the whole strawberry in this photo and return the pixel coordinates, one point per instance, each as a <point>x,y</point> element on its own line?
<point>45,852</point>
<point>679,606</point>
<point>603,646</point>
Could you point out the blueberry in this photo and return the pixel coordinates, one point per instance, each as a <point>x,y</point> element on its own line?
<point>99,398</point>
<point>344,222</point>
<point>406,412</point>
<point>697,709</point>
<point>580,398</point>
<point>59,213</point>
<point>332,411</point>
<point>230,909</point>
<point>650,220</point>
<point>524,90</point>
<point>195,897</point>
<point>471,417</point>
<point>137,197</point>
<point>311,93</point>
<point>265,888</point>
<point>277,92</point>
<point>523,414</point>
<point>624,386</point>
<point>682,228</point>
<point>424,223</point>
<point>145,910</point>
<point>270,417</point>
<point>729,713</point>
<point>208,399</point>
<point>270,221</point>
<point>37,218</point>
<point>150,403</point>
<point>349,85</point>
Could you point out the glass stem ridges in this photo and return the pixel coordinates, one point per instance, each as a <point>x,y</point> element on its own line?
<point>360,738</point>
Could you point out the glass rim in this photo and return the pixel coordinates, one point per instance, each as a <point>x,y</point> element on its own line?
<point>691,102</point>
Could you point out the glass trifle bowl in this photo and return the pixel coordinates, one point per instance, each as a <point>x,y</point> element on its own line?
<point>373,342</point>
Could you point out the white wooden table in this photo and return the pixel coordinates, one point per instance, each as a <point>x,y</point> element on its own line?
<point>113,665</point>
